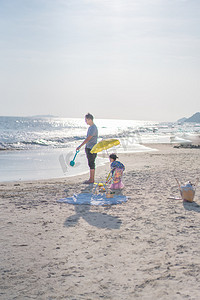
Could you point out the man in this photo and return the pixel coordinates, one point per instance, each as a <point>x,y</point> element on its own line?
<point>90,141</point>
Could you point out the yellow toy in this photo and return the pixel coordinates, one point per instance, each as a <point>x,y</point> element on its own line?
<point>101,187</point>
<point>104,145</point>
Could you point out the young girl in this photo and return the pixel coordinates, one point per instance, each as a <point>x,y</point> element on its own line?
<point>117,169</point>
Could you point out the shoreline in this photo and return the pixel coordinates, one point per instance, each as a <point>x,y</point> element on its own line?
<point>146,248</point>
<point>52,163</point>
<point>34,165</point>
<point>136,159</point>
<point>102,169</point>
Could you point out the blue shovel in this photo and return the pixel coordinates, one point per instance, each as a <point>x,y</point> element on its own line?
<point>72,162</point>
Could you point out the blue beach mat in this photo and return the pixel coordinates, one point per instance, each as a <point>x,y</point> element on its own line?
<point>92,199</point>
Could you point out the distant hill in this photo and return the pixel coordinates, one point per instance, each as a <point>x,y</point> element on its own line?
<point>43,116</point>
<point>182,120</point>
<point>194,118</point>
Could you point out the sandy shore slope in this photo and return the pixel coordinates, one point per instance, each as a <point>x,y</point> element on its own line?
<point>147,248</point>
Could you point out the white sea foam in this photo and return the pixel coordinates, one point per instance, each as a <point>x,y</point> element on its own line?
<point>45,164</point>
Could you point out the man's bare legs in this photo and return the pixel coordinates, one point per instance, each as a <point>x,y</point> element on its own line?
<point>92,172</point>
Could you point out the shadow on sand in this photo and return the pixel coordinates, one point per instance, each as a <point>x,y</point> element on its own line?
<point>191,206</point>
<point>97,219</point>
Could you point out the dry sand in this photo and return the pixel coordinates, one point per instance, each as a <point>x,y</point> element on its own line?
<point>146,248</point>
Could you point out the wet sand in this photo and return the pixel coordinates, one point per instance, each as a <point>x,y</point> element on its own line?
<point>146,248</point>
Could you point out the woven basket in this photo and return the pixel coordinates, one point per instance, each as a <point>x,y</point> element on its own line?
<point>187,195</point>
<point>187,190</point>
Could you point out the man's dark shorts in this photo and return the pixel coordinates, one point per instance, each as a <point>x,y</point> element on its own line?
<point>91,158</point>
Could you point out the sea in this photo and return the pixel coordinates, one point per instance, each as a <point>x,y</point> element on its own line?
<point>35,148</point>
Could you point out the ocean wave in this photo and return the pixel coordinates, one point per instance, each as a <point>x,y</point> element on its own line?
<point>18,133</point>
<point>55,142</point>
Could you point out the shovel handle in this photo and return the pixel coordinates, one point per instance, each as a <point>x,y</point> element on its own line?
<point>77,151</point>
<point>196,183</point>
<point>178,183</point>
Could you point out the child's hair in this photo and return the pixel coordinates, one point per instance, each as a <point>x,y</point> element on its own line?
<point>89,116</point>
<point>113,156</point>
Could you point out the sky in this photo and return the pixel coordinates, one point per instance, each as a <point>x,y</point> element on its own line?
<point>121,59</point>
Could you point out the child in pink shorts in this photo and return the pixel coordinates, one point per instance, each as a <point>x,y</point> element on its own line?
<point>117,169</point>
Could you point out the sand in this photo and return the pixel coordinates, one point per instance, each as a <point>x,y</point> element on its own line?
<point>146,248</point>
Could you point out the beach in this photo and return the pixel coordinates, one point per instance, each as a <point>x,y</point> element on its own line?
<point>146,248</point>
